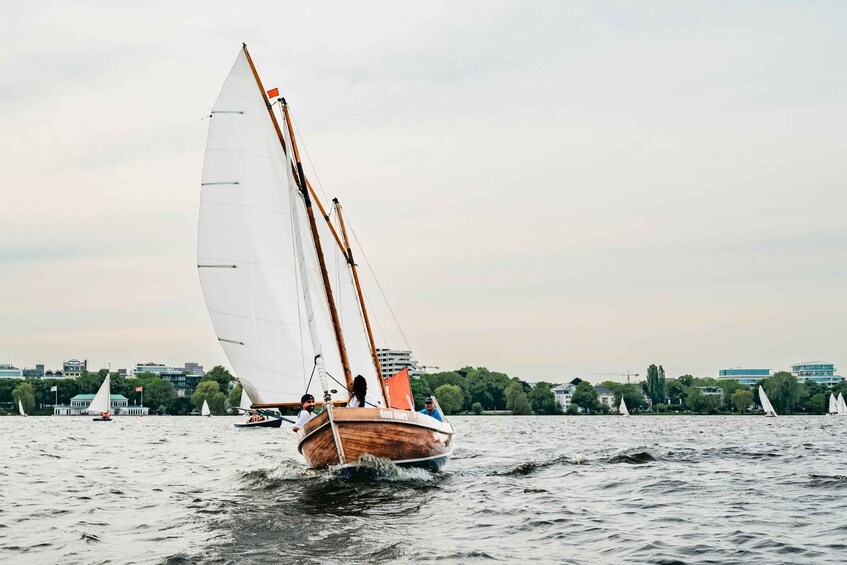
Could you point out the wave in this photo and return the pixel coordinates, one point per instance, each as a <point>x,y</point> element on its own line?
<point>632,458</point>
<point>532,466</point>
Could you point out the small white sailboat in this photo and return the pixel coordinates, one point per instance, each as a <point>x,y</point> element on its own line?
<point>622,409</point>
<point>205,410</point>
<point>766,403</point>
<point>101,404</point>
<point>841,405</point>
<point>21,408</point>
<point>833,406</point>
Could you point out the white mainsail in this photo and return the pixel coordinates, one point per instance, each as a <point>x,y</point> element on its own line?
<point>766,403</point>
<point>205,410</point>
<point>622,409</point>
<point>103,399</point>
<point>21,408</point>
<point>833,405</point>
<point>842,406</point>
<point>247,258</point>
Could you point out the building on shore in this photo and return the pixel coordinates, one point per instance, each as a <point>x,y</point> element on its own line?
<point>715,391</point>
<point>73,368</point>
<point>744,376</point>
<point>563,394</point>
<point>8,371</point>
<point>819,372</point>
<point>605,396</point>
<point>37,373</point>
<point>155,368</point>
<point>392,361</point>
<point>119,403</point>
<point>184,384</point>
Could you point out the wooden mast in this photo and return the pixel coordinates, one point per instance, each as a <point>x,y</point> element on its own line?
<point>304,190</point>
<point>352,263</point>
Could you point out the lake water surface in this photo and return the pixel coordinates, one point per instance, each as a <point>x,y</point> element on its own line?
<point>545,489</point>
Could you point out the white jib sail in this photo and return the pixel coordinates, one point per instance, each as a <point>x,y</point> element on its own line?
<point>21,408</point>
<point>833,405</point>
<point>246,251</point>
<point>766,403</point>
<point>842,406</point>
<point>245,400</point>
<point>102,400</point>
<point>622,408</point>
<point>205,410</point>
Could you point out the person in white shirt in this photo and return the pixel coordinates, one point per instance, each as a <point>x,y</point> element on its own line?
<point>307,412</point>
<point>360,397</point>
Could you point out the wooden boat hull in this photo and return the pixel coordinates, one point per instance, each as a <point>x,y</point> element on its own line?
<point>269,423</point>
<point>403,437</point>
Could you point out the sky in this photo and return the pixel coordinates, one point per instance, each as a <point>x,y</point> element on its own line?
<point>546,189</point>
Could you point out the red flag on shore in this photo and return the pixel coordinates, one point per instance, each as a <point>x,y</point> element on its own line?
<point>139,388</point>
<point>273,93</point>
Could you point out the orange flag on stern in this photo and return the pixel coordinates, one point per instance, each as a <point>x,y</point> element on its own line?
<point>400,391</point>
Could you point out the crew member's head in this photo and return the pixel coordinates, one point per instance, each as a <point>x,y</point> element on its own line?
<point>308,402</point>
<point>428,404</point>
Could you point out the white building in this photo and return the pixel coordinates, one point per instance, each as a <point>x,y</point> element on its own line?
<point>8,371</point>
<point>81,402</point>
<point>605,396</point>
<point>155,368</point>
<point>392,361</point>
<point>73,368</point>
<point>563,394</point>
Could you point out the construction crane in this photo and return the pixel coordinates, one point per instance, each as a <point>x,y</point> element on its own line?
<point>627,375</point>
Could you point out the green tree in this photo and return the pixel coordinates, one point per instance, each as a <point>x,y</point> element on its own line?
<point>686,380</point>
<point>585,397</point>
<point>450,398</point>
<point>210,391</point>
<point>817,404</point>
<point>26,395</point>
<point>235,397</point>
<point>742,399</point>
<point>512,392</point>
<point>729,388</point>
<point>522,406</point>
<point>476,408</point>
<point>542,400</point>
<point>677,391</point>
<point>221,376</point>
<point>783,391</point>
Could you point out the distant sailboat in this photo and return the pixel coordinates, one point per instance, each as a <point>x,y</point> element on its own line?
<point>266,420</point>
<point>205,410</point>
<point>841,405</point>
<point>766,403</point>
<point>622,409</point>
<point>833,405</point>
<point>102,401</point>
<point>21,408</point>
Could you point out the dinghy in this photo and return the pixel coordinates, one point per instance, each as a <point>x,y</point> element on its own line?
<point>101,404</point>
<point>267,420</point>
<point>767,407</point>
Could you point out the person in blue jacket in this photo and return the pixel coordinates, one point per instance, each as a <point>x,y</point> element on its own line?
<point>430,410</point>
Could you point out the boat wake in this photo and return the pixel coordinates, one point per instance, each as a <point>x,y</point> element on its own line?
<point>373,468</point>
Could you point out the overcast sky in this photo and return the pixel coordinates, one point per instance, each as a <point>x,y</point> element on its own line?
<point>547,189</point>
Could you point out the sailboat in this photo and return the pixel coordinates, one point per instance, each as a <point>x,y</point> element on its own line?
<point>21,408</point>
<point>622,409</point>
<point>767,407</point>
<point>101,404</point>
<point>205,410</point>
<point>267,420</point>
<point>833,405</point>
<point>282,289</point>
<point>841,405</point>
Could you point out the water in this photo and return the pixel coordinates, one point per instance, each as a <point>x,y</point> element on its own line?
<point>546,489</point>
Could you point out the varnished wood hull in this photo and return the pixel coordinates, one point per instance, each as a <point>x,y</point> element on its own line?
<point>403,437</point>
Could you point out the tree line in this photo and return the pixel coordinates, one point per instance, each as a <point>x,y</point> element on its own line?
<point>159,395</point>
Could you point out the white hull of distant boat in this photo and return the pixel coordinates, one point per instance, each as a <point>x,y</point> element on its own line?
<point>767,407</point>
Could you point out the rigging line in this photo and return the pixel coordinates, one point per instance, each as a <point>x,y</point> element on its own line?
<point>295,271</point>
<point>311,164</point>
<point>379,286</point>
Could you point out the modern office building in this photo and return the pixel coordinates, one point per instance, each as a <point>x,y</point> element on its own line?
<point>392,361</point>
<point>37,373</point>
<point>155,368</point>
<point>48,374</point>
<point>184,384</point>
<point>747,377</point>
<point>8,371</point>
<point>819,372</point>
<point>74,367</point>
<point>194,369</point>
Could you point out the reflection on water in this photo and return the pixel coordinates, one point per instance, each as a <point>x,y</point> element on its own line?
<point>565,489</point>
